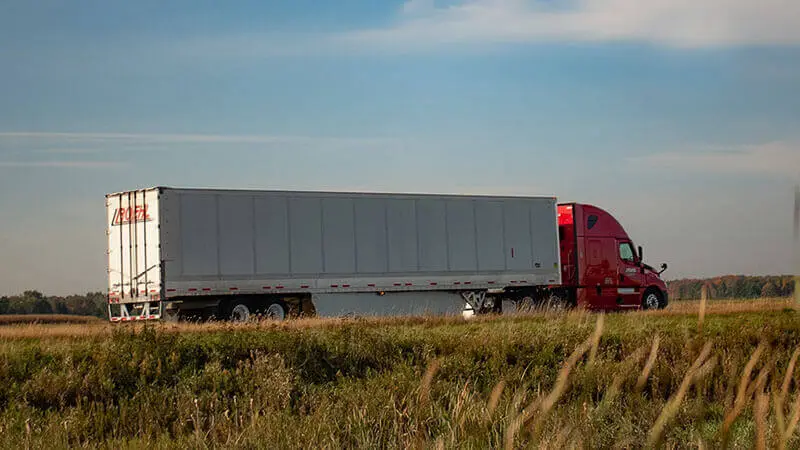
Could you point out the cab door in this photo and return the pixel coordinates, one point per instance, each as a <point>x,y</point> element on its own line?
<point>600,272</point>
<point>629,276</point>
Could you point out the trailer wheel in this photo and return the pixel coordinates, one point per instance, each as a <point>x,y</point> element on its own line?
<point>240,312</point>
<point>276,310</point>
<point>653,299</point>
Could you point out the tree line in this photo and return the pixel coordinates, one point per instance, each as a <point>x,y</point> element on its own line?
<point>732,286</point>
<point>34,302</point>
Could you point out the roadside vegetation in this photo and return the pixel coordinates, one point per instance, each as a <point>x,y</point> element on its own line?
<point>13,319</point>
<point>732,287</point>
<point>551,380</point>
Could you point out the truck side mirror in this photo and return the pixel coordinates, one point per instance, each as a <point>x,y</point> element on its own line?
<point>641,255</point>
<point>663,268</point>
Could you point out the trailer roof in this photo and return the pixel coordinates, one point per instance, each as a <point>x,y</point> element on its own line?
<point>318,192</point>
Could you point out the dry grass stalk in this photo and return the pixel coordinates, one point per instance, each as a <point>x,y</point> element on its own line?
<point>427,380</point>
<point>562,437</point>
<point>648,367</point>
<point>761,379</point>
<point>417,434</point>
<point>494,398</point>
<point>780,398</point>
<point>598,333</point>
<point>761,408</point>
<point>793,421</point>
<point>511,432</point>
<point>458,409</point>
<point>611,393</point>
<point>787,378</point>
<point>546,405</point>
<point>741,394</point>
<point>614,389</point>
<point>780,419</point>
<point>702,315</point>
<point>516,418</point>
<point>698,369</point>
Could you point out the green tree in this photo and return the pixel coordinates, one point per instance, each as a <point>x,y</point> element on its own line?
<point>60,306</point>
<point>770,290</point>
<point>42,306</point>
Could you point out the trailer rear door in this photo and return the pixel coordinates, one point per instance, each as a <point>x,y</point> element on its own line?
<point>134,267</point>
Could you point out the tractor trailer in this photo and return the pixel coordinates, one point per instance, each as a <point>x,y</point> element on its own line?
<point>237,254</point>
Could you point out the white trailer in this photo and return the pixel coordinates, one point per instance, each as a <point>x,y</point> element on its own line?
<point>235,253</point>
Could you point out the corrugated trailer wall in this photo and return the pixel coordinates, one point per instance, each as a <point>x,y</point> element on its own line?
<point>263,240</point>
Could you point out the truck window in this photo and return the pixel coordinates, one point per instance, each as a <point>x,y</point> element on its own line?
<point>591,222</point>
<point>626,252</point>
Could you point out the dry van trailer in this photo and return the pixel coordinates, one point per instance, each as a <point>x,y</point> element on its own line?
<point>234,253</point>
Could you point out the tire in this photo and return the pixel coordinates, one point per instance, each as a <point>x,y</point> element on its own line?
<point>276,310</point>
<point>240,311</point>
<point>247,310</point>
<point>525,304</point>
<point>653,299</point>
<point>551,301</point>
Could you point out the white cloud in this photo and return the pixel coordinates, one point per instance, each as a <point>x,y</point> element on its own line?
<point>772,159</point>
<point>680,23</point>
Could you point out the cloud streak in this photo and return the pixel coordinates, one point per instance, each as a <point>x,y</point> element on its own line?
<point>676,23</point>
<point>62,164</point>
<point>150,138</point>
<point>771,159</point>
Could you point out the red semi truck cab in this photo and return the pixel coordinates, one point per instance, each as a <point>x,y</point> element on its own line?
<point>601,267</point>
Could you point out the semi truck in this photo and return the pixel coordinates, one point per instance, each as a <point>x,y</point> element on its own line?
<point>239,254</point>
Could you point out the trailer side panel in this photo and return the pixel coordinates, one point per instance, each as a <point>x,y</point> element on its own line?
<point>222,242</point>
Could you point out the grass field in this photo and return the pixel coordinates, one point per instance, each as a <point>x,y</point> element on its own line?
<point>16,319</point>
<point>579,380</point>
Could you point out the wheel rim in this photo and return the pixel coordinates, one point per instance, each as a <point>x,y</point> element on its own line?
<point>276,312</point>
<point>240,313</point>
<point>525,304</point>
<point>651,301</point>
<point>555,303</point>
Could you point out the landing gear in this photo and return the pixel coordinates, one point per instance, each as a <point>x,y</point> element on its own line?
<point>478,302</point>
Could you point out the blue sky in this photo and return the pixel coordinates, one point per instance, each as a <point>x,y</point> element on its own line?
<point>680,119</point>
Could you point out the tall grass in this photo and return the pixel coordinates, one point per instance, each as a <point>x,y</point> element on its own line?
<point>573,380</point>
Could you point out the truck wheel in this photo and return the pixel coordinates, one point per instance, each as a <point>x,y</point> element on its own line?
<point>653,299</point>
<point>240,312</point>
<point>276,310</point>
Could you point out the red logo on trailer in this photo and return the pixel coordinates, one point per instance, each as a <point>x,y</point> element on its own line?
<point>130,215</point>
